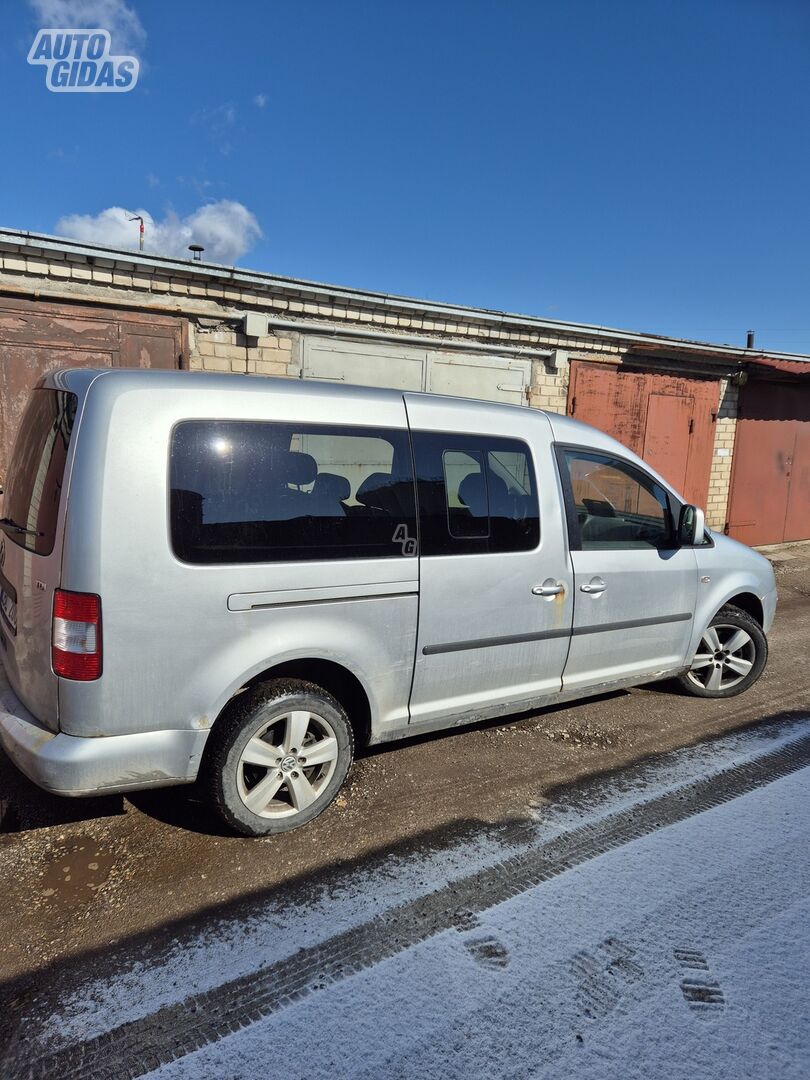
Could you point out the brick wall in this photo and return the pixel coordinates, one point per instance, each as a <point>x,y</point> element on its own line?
<point>225,349</point>
<point>549,388</point>
<point>720,477</point>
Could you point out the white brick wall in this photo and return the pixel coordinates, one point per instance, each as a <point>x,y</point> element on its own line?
<point>722,456</point>
<point>228,350</point>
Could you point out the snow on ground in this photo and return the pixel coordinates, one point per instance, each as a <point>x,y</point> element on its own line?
<point>230,949</point>
<point>682,954</point>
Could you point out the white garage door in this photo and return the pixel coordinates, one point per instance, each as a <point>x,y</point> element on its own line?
<point>491,378</point>
<point>365,364</point>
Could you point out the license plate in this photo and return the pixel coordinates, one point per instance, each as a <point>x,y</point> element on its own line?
<point>9,609</point>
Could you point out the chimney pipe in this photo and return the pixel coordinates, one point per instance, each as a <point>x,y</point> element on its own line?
<point>749,341</point>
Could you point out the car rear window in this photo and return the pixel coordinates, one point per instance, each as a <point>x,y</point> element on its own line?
<point>37,471</point>
<point>253,491</point>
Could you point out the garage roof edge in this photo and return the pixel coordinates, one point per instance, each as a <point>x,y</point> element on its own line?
<point>273,282</point>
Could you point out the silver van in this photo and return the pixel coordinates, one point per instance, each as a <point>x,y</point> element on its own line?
<point>235,580</point>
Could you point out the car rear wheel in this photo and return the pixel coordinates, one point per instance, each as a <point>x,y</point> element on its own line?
<point>730,657</point>
<point>278,757</point>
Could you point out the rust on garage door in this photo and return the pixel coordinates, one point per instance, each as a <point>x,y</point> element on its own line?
<point>37,337</point>
<point>769,502</point>
<point>666,419</point>
<point>148,351</point>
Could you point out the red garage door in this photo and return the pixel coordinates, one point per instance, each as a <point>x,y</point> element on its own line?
<point>769,502</point>
<point>669,421</point>
<point>36,337</point>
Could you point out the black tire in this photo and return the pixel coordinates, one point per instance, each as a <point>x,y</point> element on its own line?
<point>726,621</point>
<point>266,711</point>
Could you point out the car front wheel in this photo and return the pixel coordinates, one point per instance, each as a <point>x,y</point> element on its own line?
<point>730,657</point>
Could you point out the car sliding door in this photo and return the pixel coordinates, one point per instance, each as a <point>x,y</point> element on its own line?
<point>495,599</point>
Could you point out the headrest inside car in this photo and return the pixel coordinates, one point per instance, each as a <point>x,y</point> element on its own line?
<point>371,491</point>
<point>472,492</point>
<point>332,486</point>
<point>299,469</point>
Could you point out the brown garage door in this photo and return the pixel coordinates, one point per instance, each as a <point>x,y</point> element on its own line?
<point>38,337</point>
<point>669,421</point>
<point>769,502</point>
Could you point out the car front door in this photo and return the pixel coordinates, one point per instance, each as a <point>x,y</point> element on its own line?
<point>495,602</point>
<point>634,588</point>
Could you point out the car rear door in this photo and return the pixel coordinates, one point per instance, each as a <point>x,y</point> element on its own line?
<point>31,548</point>
<point>495,604</point>
<point>634,588</point>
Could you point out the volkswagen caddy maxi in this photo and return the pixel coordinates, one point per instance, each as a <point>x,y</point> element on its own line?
<point>232,580</point>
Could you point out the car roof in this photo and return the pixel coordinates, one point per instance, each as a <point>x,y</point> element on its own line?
<point>79,379</point>
<point>565,429</point>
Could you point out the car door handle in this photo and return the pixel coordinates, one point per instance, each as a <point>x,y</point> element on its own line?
<point>548,588</point>
<point>595,586</point>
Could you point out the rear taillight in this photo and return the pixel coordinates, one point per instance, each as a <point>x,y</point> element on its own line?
<point>76,652</point>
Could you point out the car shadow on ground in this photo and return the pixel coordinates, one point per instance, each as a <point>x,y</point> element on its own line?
<point>24,806</point>
<point>187,807</point>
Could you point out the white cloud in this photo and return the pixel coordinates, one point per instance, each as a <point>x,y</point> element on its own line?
<point>126,30</point>
<point>226,230</point>
<point>260,100</point>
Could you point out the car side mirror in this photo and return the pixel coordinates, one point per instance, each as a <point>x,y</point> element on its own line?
<point>691,526</point>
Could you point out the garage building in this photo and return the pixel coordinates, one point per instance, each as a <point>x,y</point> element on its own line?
<point>729,427</point>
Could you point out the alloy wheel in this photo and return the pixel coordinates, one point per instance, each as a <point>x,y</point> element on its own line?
<point>725,656</point>
<point>287,764</point>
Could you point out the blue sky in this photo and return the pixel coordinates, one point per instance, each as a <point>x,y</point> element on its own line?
<point>640,164</point>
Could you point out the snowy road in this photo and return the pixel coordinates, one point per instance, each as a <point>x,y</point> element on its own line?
<point>651,925</point>
<point>682,954</point>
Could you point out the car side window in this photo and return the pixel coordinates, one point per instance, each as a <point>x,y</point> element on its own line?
<point>617,505</point>
<point>250,491</point>
<point>476,494</point>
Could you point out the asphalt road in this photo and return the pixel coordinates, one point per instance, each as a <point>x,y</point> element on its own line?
<point>79,878</point>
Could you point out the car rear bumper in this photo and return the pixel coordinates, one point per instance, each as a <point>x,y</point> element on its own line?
<point>67,765</point>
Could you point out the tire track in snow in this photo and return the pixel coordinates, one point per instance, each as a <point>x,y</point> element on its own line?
<point>139,1046</point>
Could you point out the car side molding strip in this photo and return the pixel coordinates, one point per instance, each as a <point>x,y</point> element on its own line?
<point>546,635</point>
<point>486,643</point>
